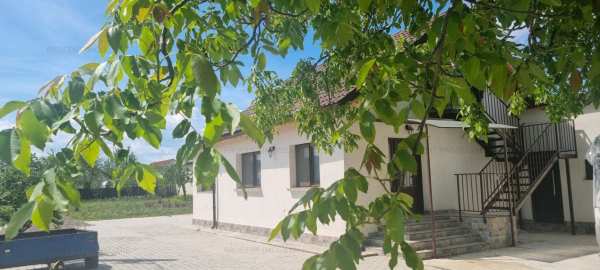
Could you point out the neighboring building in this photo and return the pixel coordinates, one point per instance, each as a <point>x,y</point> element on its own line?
<point>162,164</point>
<point>470,190</point>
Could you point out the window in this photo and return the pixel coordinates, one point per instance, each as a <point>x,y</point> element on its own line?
<point>251,169</point>
<point>307,166</point>
<point>589,171</point>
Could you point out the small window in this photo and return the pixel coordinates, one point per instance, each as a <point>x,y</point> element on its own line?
<point>251,169</point>
<point>307,166</point>
<point>589,171</point>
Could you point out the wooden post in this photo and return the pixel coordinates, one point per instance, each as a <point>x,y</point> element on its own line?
<point>433,229</point>
<point>571,211</point>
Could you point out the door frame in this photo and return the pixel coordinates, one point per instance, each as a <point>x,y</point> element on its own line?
<point>536,207</point>
<point>418,199</point>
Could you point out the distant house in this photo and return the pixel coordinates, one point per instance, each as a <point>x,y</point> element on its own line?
<point>530,174</point>
<point>162,164</point>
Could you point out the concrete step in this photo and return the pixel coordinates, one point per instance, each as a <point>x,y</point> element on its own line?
<point>440,242</point>
<point>428,225</point>
<point>428,219</point>
<point>453,250</point>
<point>426,234</point>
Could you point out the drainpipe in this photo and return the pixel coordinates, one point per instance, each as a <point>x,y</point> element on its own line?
<point>433,229</point>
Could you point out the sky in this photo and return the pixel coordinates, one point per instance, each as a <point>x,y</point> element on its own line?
<point>42,39</point>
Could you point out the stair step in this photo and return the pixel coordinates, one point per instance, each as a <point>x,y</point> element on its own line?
<point>439,232</point>
<point>500,208</point>
<point>453,250</point>
<point>427,243</point>
<point>417,226</point>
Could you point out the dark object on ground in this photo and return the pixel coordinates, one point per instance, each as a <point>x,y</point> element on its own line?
<point>45,248</point>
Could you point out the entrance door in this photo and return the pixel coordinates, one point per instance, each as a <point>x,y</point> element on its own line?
<point>411,184</point>
<point>546,200</point>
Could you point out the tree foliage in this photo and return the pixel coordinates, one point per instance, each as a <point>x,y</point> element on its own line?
<point>173,56</point>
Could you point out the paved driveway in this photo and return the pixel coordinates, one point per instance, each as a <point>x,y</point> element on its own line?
<point>173,243</point>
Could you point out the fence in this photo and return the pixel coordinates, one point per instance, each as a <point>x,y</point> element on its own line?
<point>107,193</point>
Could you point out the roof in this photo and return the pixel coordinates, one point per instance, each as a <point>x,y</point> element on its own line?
<point>163,163</point>
<point>448,123</point>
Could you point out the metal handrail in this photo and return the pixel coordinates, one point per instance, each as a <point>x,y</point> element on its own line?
<point>488,202</point>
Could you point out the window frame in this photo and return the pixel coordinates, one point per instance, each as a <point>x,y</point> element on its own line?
<point>256,170</point>
<point>314,179</point>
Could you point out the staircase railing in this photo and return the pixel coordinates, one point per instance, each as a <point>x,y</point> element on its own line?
<point>543,140</point>
<point>512,173</point>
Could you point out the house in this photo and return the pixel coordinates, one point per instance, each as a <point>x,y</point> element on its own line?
<point>530,174</point>
<point>161,165</point>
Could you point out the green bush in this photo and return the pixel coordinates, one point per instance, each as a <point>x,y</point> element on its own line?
<point>14,184</point>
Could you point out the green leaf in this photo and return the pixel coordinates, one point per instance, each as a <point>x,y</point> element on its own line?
<point>103,43</point>
<point>147,41</point>
<point>205,76</point>
<point>233,114</point>
<point>51,87</point>
<point>90,151</point>
<point>70,192</point>
<point>363,5</point>
<point>418,108</point>
<point>114,38</point>
<point>555,3</point>
<point>405,161</point>
<point>344,258</point>
<point>206,168</point>
<point>498,80</point>
<point>213,130</point>
<point>367,126</point>
<point>410,256</point>
<point>364,72</point>
<point>9,145</point>
<point>275,231</point>
<point>474,74</point>
<point>19,219</point>
<point>181,129</point>
<point>42,213</point>
<point>261,62</point>
<point>460,87</point>
<point>91,41</point>
<point>32,129</point>
<point>75,90</point>
<point>313,5</point>
<point>11,106</point>
<point>250,129</point>
<point>394,221</point>
<point>23,159</point>
<point>148,180</point>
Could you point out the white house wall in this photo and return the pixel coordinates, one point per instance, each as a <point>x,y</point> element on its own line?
<point>269,204</point>
<point>587,127</point>
<point>451,152</point>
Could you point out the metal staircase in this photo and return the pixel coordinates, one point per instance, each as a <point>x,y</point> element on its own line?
<point>520,158</point>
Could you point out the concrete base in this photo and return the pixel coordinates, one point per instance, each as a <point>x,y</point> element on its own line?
<point>580,227</point>
<point>495,230</point>
<point>262,231</point>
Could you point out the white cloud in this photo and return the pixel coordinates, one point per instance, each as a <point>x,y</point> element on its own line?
<point>520,36</point>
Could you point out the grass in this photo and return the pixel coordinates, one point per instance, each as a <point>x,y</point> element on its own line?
<point>132,207</point>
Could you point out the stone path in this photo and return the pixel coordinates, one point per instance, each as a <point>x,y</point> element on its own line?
<point>173,243</point>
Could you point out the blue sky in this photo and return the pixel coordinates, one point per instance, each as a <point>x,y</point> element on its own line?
<point>41,40</point>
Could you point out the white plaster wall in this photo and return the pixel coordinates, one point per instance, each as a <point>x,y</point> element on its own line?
<point>587,127</point>
<point>451,152</point>
<point>267,205</point>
